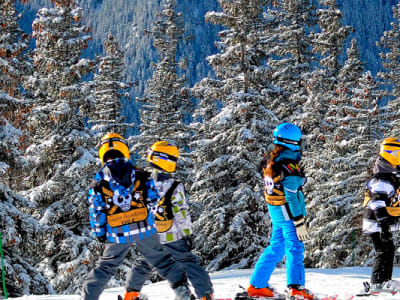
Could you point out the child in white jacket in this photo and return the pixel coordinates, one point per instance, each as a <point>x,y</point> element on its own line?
<point>173,222</point>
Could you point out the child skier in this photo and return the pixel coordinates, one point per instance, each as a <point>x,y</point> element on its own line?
<point>173,222</point>
<point>283,181</point>
<point>381,212</point>
<point>121,198</point>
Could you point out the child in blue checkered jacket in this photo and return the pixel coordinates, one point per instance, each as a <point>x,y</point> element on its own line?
<point>122,198</point>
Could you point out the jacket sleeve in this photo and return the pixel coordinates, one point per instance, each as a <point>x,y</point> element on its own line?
<point>380,193</point>
<point>294,195</point>
<point>180,209</point>
<point>97,213</point>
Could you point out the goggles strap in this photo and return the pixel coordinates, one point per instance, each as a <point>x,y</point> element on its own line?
<point>287,141</point>
<point>161,154</point>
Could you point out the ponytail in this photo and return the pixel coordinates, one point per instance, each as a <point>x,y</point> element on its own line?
<point>268,168</point>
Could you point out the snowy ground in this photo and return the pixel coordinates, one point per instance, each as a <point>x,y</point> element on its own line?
<point>343,281</point>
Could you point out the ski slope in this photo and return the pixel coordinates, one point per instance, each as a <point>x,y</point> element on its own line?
<point>342,281</point>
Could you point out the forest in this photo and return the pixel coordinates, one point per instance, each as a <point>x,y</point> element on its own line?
<point>276,61</point>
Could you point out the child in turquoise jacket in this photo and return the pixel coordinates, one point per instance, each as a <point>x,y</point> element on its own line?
<point>283,180</point>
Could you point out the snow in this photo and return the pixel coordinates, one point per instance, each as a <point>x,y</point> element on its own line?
<point>342,281</point>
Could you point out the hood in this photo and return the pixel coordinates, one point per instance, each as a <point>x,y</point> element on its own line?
<point>383,167</point>
<point>121,170</point>
<point>158,175</point>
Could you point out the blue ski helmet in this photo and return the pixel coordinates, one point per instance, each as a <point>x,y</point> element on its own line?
<point>288,135</point>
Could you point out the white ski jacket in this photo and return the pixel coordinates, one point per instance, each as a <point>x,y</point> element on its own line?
<point>181,223</point>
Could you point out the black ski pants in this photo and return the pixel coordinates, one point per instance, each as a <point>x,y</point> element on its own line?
<point>382,267</point>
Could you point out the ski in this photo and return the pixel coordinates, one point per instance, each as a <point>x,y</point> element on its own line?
<point>245,296</point>
<point>371,294</point>
<point>143,297</point>
<point>366,292</point>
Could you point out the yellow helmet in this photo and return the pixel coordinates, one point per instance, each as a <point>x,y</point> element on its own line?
<point>113,142</point>
<point>390,150</point>
<point>163,155</point>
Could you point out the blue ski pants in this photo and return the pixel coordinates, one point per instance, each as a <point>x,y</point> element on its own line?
<point>114,254</point>
<point>283,242</point>
<point>190,262</point>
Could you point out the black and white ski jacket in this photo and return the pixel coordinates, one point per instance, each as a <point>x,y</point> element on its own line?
<point>382,198</point>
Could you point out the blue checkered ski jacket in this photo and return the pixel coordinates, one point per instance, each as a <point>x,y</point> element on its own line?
<point>122,199</point>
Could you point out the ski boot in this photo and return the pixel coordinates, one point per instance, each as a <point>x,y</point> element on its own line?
<point>133,295</point>
<point>263,292</point>
<point>390,286</point>
<point>183,292</point>
<point>256,293</point>
<point>299,292</point>
<point>208,296</point>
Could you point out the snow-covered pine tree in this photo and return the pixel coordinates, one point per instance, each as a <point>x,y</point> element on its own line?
<point>232,229</point>
<point>291,57</point>
<point>109,89</point>
<point>315,130</point>
<point>330,41</point>
<point>13,45</point>
<point>166,105</point>
<point>340,88</point>
<point>17,229</point>
<point>352,70</point>
<point>14,65</point>
<point>328,45</point>
<point>352,148</point>
<point>325,119</point>
<point>18,233</point>
<point>61,158</point>
<point>390,76</point>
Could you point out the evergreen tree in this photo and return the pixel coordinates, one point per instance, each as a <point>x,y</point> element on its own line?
<point>13,45</point>
<point>61,158</point>
<point>109,89</point>
<point>18,232</point>
<point>352,152</point>
<point>352,70</point>
<point>327,44</point>
<point>315,130</point>
<point>327,128</point>
<point>166,105</point>
<point>390,55</point>
<point>330,41</point>
<point>231,230</point>
<point>13,65</point>
<point>18,229</point>
<point>291,57</point>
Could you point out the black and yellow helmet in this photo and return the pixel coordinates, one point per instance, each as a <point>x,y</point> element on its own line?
<point>390,150</point>
<point>113,142</point>
<point>163,155</point>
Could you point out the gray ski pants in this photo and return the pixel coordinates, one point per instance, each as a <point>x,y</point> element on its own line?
<point>114,254</point>
<point>190,262</point>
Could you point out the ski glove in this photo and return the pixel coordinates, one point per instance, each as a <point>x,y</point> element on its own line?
<point>101,238</point>
<point>301,230</point>
<point>385,235</point>
<point>189,241</point>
